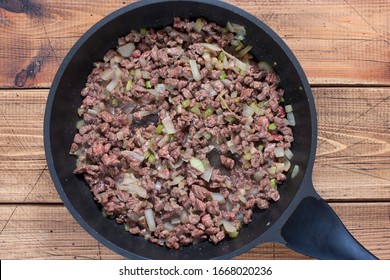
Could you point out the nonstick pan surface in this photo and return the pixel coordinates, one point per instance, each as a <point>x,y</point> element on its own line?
<point>300,220</point>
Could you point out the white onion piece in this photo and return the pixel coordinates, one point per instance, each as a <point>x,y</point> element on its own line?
<point>134,155</point>
<point>279,167</point>
<point>126,50</point>
<point>291,118</point>
<point>244,51</point>
<point>239,29</point>
<point>197,164</point>
<point>184,217</point>
<point>248,121</point>
<point>279,152</point>
<point>230,27</point>
<point>231,146</point>
<point>115,79</point>
<point>133,189</point>
<point>157,186</point>
<point>229,227</point>
<point>150,219</point>
<point>207,174</point>
<point>226,82</point>
<point>247,111</point>
<point>242,199</point>
<point>295,171</point>
<point>120,135</point>
<point>93,112</point>
<point>211,47</point>
<point>145,75</point>
<point>259,175</point>
<point>107,74</point>
<point>176,180</point>
<point>243,66</point>
<point>217,197</point>
<point>168,124</point>
<point>168,226</point>
<point>287,164</point>
<point>195,70</point>
<point>175,221</point>
<point>288,154</point>
<point>288,108</point>
<point>160,88</point>
<point>154,92</point>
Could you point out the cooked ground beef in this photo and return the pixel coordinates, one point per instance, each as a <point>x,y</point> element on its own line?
<point>182,134</point>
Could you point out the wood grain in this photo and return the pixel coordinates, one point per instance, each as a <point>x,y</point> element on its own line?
<point>352,158</point>
<point>49,232</point>
<point>336,41</point>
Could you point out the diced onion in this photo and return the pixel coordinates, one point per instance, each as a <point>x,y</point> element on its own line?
<point>119,135</point>
<point>133,155</point>
<point>229,227</point>
<point>184,217</point>
<point>272,170</point>
<point>133,189</point>
<point>288,108</point>
<point>217,197</point>
<point>198,25</point>
<point>168,124</point>
<point>207,174</point>
<point>115,79</point>
<point>126,50</point>
<point>231,146</point>
<point>211,47</point>
<point>230,27</point>
<point>168,226</point>
<point>157,186</point>
<point>197,164</point>
<point>195,70</point>
<point>259,175</point>
<point>107,74</point>
<point>243,66</point>
<point>291,118</point>
<point>150,219</point>
<point>239,29</point>
<point>265,66</point>
<point>93,112</point>
<point>279,167</point>
<point>288,154</point>
<point>247,111</point>
<point>287,164</point>
<point>160,88</point>
<point>176,180</point>
<point>175,221</point>
<point>244,51</point>
<point>295,171</point>
<point>279,152</point>
<point>248,121</point>
<point>154,92</point>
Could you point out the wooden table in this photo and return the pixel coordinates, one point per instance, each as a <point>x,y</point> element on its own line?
<point>343,46</point>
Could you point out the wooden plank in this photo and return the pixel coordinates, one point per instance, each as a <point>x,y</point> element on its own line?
<point>336,41</point>
<point>49,232</point>
<point>352,158</point>
<point>353,143</point>
<point>24,176</point>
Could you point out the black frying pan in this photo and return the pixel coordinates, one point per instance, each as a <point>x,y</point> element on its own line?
<point>301,220</point>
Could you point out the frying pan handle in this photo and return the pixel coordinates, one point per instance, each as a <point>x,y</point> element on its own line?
<point>315,230</point>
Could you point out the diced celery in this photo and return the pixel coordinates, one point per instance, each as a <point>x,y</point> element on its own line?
<point>185,103</point>
<point>159,129</point>
<point>272,126</point>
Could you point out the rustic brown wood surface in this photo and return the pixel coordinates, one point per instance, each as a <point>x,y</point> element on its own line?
<point>343,46</point>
